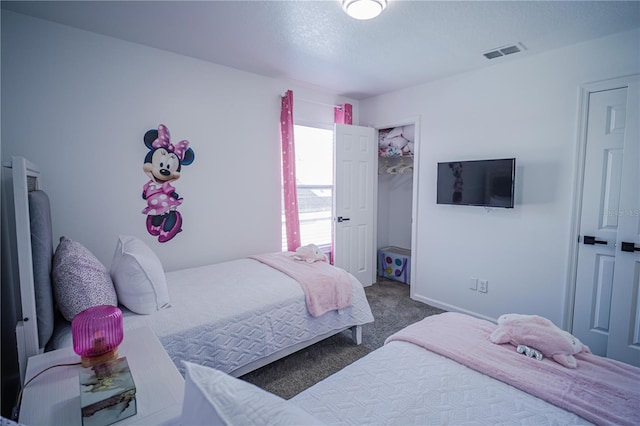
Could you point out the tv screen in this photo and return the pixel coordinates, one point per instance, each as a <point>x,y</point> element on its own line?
<point>488,183</point>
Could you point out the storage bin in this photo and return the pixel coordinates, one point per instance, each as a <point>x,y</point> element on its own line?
<point>395,263</point>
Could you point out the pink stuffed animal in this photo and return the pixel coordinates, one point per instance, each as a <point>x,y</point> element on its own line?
<point>310,253</point>
<point>539,333</point>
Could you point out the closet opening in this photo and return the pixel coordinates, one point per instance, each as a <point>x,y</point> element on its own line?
<point>396,150</point>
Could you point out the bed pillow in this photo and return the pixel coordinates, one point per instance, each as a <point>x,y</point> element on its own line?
<point>138,276</point>
<point>215,398</point>
<point>395,132</point>
<point>397,142</point>
<point>409,132</point>
<point>80,281</point>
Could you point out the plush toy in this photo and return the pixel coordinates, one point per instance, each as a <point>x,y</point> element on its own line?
<point>310,253</point>
<point>530,352</point>
<point>396,142</point>
<point>539,333</point>
<point>162,164</point>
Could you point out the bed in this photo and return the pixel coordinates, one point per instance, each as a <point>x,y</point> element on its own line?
<point>441,370</point>
<point>235,316</point>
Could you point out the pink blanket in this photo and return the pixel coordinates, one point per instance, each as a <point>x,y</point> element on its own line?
<point>326,288</point>
<point>600,390</point>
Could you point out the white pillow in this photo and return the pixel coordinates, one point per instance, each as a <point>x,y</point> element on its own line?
<point>138,276</point>
<point>212,397</point>
<point>397,142</point>
<point>409,132</point>
<point>395,132</point>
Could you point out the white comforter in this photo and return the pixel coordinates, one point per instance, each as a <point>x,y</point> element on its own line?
<point>404,384</point>
<point>230,314</point>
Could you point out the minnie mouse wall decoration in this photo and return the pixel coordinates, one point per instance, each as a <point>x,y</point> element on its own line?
<point>162,164</point>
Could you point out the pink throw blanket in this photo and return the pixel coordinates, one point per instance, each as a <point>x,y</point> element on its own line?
<point>326,288</point>
<point>600,390</point>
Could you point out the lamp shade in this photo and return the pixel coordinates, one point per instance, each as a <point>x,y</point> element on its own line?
<point>363,9</point>
<point>97,332</point>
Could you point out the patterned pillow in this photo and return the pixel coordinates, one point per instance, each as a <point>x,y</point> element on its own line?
<point>80,281</point>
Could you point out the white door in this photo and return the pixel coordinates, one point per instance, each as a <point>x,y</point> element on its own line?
<point>355,168</point>
<point>605,284</point>
<point>624,333</point>
<point>600,197</point>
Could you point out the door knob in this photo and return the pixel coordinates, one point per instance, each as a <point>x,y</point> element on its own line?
<point>592,240</point>
<point>342,219</point>
<point>629,247</point>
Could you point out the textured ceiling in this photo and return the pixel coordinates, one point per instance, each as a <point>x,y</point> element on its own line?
<point>315,42</point>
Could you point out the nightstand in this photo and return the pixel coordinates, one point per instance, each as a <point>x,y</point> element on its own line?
<point>54,397</point>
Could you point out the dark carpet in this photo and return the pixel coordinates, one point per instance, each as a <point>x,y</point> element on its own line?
<point>392,310</point>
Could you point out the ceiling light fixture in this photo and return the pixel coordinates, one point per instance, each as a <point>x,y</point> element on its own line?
<point>363,9</point>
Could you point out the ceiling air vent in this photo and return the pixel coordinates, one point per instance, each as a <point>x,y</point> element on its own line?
<point>504,51</point>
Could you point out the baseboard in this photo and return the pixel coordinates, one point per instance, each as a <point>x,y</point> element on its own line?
<point>451,308</point>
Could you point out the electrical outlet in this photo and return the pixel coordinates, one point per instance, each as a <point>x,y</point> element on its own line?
<point>473,284</point>
<point>483,286</point>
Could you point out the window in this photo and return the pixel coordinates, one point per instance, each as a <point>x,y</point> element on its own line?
<point>314,183</point>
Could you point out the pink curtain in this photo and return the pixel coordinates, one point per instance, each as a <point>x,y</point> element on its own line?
<point>292,221</point>
<point>342,114</point>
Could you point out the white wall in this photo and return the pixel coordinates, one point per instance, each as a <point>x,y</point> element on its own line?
<point>528,109</point>
<point>77,104</point>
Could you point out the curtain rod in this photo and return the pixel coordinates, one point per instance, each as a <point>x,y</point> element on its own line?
<point>314,102</point>
<point>320,103</point>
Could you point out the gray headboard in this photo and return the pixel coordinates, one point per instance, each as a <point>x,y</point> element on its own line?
<point>42,255</point>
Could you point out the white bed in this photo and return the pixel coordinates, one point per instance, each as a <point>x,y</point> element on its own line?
<point>235,316</point>
<point>405,383</point>
<point>398,384</point>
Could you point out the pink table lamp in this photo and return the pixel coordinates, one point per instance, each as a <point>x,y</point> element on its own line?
<point>97,333</point>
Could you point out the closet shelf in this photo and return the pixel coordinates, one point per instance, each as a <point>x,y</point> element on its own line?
<point>395,156</point>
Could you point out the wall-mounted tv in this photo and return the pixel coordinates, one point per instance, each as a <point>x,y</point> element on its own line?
<point>488,183</point>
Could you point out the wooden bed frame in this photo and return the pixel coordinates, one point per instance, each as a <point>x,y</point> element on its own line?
<point>25,179</point>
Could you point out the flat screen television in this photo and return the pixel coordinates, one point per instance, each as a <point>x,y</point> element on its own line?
<point>488,183</point>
